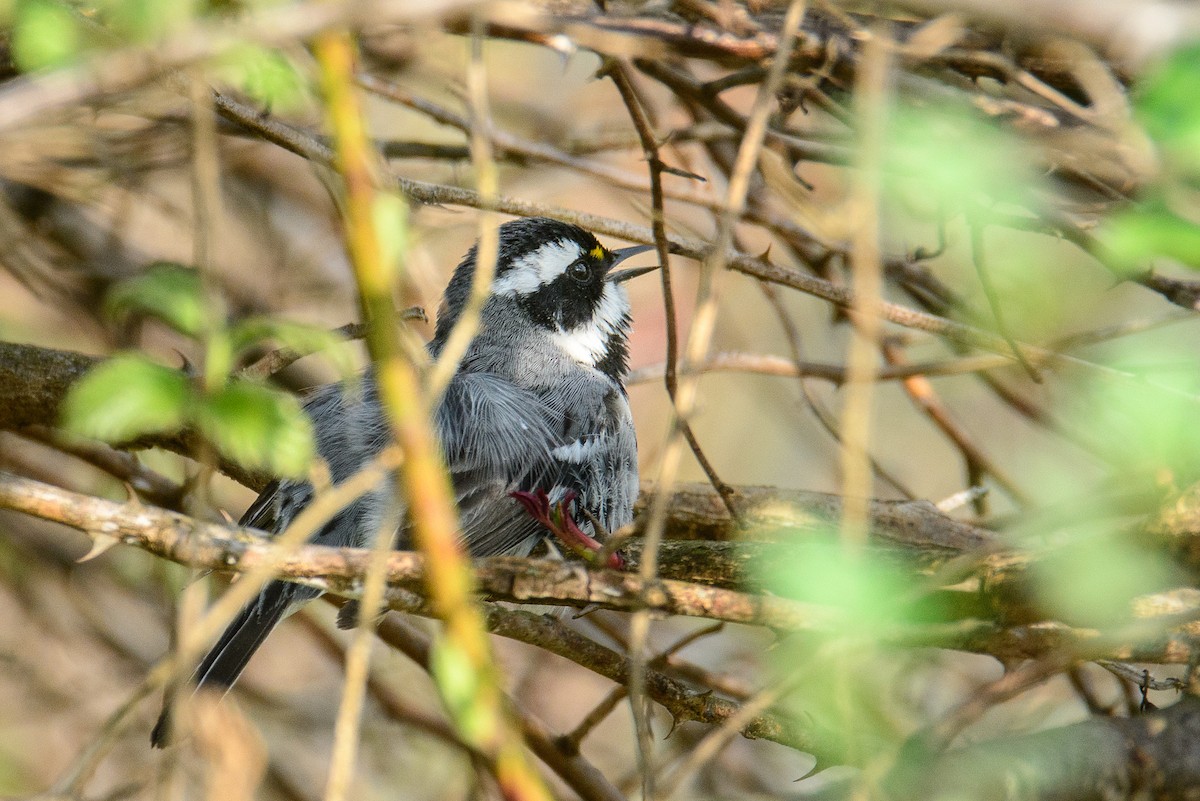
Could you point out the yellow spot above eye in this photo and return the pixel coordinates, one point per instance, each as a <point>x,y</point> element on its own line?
<point>597,252</point>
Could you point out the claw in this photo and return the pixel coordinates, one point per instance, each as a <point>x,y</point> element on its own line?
<point>562,525</point>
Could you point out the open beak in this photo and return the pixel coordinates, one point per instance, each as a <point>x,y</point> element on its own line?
<point>621,255</point>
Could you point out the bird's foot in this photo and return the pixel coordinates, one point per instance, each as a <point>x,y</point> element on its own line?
<point>559,522</point>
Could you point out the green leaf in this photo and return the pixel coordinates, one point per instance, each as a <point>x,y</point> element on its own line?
<point>957,159</point>
<point>169,292</point>
<point>258,427</point>
<point>46,35</point>
<point>302,338</point>
<point>1133,237</point>
<point>863,589</point>
<point>268,76</point>
<point>1166,105</point>
<point>1094,579</point>
<point>145,20</point>
<point>126,397</point>
<point>1148,423</point>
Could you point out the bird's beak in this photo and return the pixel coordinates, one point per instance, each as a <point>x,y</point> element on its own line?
<point>621,255</point>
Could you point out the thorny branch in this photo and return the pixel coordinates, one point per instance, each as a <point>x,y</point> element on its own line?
<point>949,550</point>
<point>340,571</point>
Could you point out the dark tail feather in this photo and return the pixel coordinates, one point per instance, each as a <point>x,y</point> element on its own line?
<point>222,665</point>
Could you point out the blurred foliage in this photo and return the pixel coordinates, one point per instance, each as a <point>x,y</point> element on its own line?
<point>259,427</point>
<point>146,20</point>
<point>1094,577</point>
<point>53,33</point>
<point>1147,421</point>
<point>173,294</point>
<point>268,76</point>
<point>1165,104</point>
<point>949,160</point>
<point>46,34</point>
<point>130,395</point>
<point>1164,225</point>
<point>125,397</point>
<point>1150,231</point>
<point>865,591</point>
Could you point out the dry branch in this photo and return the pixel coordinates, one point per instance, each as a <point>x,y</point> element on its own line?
<point>529,581</point>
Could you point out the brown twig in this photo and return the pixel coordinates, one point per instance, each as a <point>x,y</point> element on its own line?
<point>619,73</point>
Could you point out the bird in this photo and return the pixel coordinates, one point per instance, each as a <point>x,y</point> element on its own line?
<point>536,414</point>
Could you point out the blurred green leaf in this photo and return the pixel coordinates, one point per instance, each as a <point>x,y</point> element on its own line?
<point>258,427</point>
<point>955,159</point>
<point>126,397</point>
<point>1094,579</point>
<point>1166,104</point>
<point>1148,423</point>
<point>45,35</point>
<point>866,590</point>
<point>218,358</point>
<point>303,339</point>
<point>169,292</point>
<point>268,76</point>
<point>1132,237</point>
<point>145,20</point>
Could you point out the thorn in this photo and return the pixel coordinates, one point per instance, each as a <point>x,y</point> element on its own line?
<point>607,65</point>
<point>100,544</point>
<point>682,173</point>
<point>131,497</point>
<point>185,365</point>
<point>766,254</point>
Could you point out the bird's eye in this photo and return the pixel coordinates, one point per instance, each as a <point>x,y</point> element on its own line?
<point>580,270</point>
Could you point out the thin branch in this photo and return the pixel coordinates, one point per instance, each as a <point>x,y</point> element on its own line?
<point>572,768</point>
<point>871,97</point>
<point>30,97</point>
<point>305,145</point>
<point>923,395</point>
<point>637,113</point>
<point>483,720</point>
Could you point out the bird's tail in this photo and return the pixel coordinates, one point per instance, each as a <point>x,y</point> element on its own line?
<point>222,665</point>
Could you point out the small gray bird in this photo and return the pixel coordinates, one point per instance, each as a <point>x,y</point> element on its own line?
<point>538,405</point>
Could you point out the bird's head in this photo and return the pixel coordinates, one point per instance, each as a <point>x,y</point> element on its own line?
<point>562,283</point>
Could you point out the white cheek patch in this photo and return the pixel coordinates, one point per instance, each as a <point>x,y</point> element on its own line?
<point>536,269</point>
<point>588,343</point>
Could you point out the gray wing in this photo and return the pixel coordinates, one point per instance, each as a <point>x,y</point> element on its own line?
<point>597,454</point>
<point>496,438</point>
